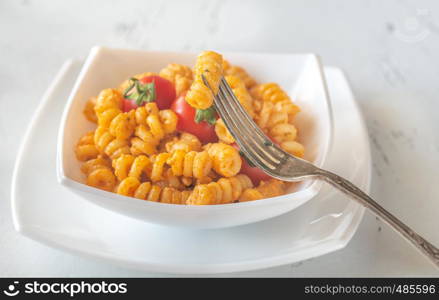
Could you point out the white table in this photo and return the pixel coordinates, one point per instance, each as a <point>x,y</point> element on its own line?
<point>388,50</point>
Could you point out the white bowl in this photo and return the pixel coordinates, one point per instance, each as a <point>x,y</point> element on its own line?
<point>299,74</point>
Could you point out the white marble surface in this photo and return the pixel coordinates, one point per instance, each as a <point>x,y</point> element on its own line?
<point>387,48</point>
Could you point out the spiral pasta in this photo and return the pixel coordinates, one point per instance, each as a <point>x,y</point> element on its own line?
<point>241,92</point>
<point>151,126</point>
<point>225,190</point>
<point>223,133</point>
<point>128,165</point>
<point>275,115</point>
<point>132,187</point>
<point>190,164</point>
<point>140,153</point>
<point>109,114</point>
<point>85,148</point>
<point>266,189</point>
<point>226,160</point>
<point>186,141</point>
<point>99,174</point>
<point>108,105</point>
<point>272,92</point>
<point>179,75</point>
<point>89,110</point>
<point>109,145</point>
<point>208,64</point>
<point>240,73</point>
<point>293,147</point>
<point>158,166</point>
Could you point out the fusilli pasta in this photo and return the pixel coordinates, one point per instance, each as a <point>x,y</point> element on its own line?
<point>136,149</point>
<point>240,73</point>
<point>132,187</point>
<point>179,75</point>
<point>225,190</point>
<point>89,110</point>
<point>186,141</point>
<point>190,164</point>
<point>268,189</point>
<point>128,165</point>
<point>208,64</point>
<point>107,144</point>
<point>85,148</point>
<point>99,174</point>
<point>151,126</point>
<point>226,160</point>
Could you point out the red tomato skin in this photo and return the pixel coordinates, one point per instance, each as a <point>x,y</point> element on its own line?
<point>128,104</point>
<point>254,173</point>
<point>165,90</point>
<point>186,122</point>
<point>165,93</point>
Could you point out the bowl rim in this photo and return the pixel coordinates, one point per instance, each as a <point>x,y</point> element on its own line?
<point>312,189</point>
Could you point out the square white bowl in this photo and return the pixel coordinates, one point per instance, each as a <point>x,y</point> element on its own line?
<point>299,74</point>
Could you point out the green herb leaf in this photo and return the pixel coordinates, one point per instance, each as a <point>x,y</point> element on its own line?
<point>140,92</point>
<point>208,115</point>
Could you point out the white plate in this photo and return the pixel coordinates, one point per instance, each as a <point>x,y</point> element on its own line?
<point>301,75</point>
<point>48,212</point>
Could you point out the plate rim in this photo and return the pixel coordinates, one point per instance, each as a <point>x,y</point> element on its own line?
<point>337,242</point>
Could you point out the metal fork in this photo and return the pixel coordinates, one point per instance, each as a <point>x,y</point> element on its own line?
<point>261,151</point>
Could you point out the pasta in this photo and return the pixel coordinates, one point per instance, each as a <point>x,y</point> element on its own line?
<point>89,110</point>
<point>186,141</point>
<point>179,75</point>
<point>132,187</point>
<point>240,73</point>
<point>208,64</point>
<point>223,133</point>
<point>108,105</point>
<point>225,190</point>
<point>109,114</point>
<point>241,93</point>
<point>271,188</point>
<point>107,144</point>
<point>99,174</point>
<point>190,164</point>
<point>151,126</point>
<point>158,165</point>
<point>146,146</point>
<point>275,115</point>
<point>85,148</point>
<point>226,160</point>
<point>293,147</point>
<point>127,165</point>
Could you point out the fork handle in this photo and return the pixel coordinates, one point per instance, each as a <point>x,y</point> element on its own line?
<point>351,190</point>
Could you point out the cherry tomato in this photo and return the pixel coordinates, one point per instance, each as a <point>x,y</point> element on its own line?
<point>186,122</point>
<point>164,90</point>
<point>254,173</point>
<point>128,104</point>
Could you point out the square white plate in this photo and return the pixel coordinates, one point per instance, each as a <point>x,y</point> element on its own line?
<point>50,213</point>
<point>301,75</point>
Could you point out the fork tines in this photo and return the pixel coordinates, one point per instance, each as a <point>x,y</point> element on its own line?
<point>254,144</point>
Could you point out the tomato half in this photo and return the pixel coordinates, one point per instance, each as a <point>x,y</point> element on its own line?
<point>186,122</point>
<point>254,173</point>
<point>164,90</point>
